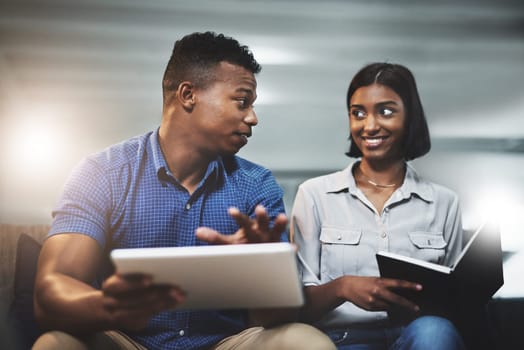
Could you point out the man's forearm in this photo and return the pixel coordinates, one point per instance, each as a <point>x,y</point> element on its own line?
<point>66,304</point>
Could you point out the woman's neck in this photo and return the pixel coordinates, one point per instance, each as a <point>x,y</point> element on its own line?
<point>383,174</point>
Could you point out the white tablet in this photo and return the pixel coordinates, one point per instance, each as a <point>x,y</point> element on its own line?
<point>235,276</point>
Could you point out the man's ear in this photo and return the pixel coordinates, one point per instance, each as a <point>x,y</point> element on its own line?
<point>186,95</point>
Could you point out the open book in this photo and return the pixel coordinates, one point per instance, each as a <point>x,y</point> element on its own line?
<point>447,291</point>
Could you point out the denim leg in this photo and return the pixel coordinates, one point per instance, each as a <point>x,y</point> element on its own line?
<point>358,339</point>
<point>429,333</point>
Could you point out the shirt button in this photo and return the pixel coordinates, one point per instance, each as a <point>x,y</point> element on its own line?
<point>384,234</point>
<point>181,333</point>
<point>188,206</point>
<point>339,237</point>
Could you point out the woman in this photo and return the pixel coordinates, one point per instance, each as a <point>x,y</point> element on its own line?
<point>340,220</point>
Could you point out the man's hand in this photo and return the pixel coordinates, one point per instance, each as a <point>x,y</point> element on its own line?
<point>132,300</point>
<point>251,230</point>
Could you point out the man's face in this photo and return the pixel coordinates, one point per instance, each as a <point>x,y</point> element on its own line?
<point>223,111</point>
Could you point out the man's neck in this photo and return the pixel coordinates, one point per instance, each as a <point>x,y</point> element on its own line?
<point>186,164</point>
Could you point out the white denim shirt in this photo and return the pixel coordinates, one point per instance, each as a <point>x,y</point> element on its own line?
<point>338,231</point>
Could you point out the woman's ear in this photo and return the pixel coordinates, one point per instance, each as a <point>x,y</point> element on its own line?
<point>186,95</point>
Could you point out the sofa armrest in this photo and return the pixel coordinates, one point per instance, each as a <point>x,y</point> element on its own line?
<point>9,236</point>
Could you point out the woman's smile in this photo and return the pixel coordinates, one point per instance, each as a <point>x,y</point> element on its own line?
<point>373,142</point>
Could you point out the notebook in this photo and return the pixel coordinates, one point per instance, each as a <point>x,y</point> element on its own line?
<point>472,279</point>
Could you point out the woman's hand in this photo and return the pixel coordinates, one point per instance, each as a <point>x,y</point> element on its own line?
<point>375,293</point>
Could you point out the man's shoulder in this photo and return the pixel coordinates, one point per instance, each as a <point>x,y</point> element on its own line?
<point>238,166</point>
<point>252,182</point>
<point>120,154</point>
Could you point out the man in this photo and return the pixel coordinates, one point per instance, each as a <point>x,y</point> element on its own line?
<point>156,190</point>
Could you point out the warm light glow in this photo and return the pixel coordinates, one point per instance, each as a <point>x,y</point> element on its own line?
<point>37,156</point>
<point>37,145</point>
<point>35,142</point>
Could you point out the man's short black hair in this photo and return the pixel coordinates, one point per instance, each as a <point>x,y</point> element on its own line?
<point>399,79</point>
<point>195,56</point>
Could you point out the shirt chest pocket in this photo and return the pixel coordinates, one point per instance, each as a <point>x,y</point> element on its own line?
<point>340,252</point>
<point>428,246</point>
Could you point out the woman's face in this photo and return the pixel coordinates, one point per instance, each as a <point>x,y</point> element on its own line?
<point>377,119</point>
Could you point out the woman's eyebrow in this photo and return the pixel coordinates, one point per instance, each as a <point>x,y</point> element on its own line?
<point>381,103</point>
<point>387,102</point>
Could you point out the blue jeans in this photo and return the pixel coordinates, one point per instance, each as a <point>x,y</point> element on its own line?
<point>424,333</point>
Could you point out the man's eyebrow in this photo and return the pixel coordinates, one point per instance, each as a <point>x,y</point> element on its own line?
<point>245,90</point>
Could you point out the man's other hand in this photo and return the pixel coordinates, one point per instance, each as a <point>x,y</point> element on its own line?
<point>255,230</point>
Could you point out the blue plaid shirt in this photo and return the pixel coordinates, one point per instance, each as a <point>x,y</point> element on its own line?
<point>126,197</point>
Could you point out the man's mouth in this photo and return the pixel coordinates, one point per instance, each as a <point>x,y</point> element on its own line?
<point>243,135</point>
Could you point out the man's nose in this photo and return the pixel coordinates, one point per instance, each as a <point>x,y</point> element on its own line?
<point>251,117</point>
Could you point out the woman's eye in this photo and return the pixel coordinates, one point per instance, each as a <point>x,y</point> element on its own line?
<point>386,111</point>
<point>358,114</point>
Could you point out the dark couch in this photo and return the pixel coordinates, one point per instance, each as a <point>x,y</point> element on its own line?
<point>500,326</point>
<point>19,250</point>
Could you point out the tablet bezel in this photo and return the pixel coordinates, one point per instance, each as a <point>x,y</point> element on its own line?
<point>262,275</point>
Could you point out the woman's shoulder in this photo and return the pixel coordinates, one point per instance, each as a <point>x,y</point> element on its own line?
<point>443,192</point>
<point>330,182</point>
<point>432,187</point>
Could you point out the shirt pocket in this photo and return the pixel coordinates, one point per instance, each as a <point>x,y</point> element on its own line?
<point>339,252</point>
<point>428,246</point>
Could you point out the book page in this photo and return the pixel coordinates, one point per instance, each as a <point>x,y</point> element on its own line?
<point>468,245</point>
<point>426,264</point>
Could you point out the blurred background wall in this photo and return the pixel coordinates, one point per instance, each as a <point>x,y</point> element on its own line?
<point>78,76</point>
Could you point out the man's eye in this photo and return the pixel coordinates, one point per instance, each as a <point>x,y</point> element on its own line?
<point>243,102</point>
